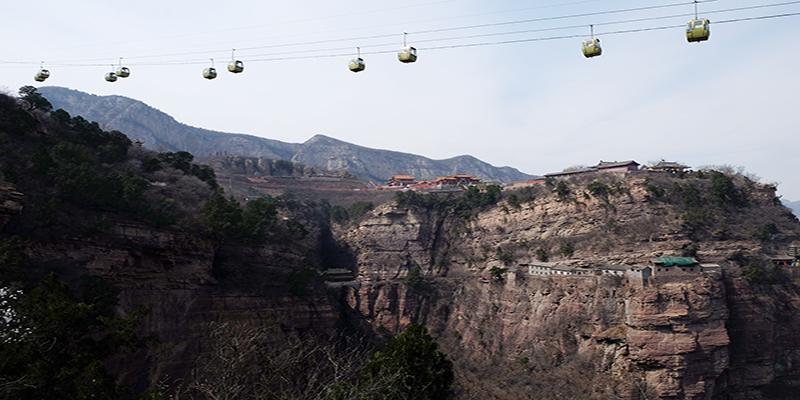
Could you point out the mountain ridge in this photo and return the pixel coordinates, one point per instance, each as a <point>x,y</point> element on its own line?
<point>793,205</point>
<point>160,131</point>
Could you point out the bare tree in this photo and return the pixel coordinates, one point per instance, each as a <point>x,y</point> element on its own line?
<point>265,363</point>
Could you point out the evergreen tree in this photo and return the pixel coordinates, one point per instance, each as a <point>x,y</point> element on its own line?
<point>425,372</point>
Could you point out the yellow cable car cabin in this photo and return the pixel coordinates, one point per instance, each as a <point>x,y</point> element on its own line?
<point>407,55</point>
<point>42,75</point>
<point>210,73</point>
<point>357,65</point>
<point>698,30</point>
<point>111,77</point>
<point>123,72</point>
<point>592,48</point>
<point>236,66</point>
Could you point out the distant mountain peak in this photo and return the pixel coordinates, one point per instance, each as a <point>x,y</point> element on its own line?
<point>159,131</point>
<point>321,138</point>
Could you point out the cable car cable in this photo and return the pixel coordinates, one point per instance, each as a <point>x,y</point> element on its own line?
<point>558,17</point>
<point>452,46</point>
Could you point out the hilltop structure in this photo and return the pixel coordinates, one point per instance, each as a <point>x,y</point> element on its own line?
<point>617,167</point>
<point>450,182</point>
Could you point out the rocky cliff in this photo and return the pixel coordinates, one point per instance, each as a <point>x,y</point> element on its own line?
<point>516,335</point>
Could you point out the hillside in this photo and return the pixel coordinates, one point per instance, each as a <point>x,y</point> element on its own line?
<point>279,297</point>
<point>159,131</point>
<point>793,205</point>
<point>539,287</point>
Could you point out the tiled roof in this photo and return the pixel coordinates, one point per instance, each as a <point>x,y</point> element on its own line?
<point>614,164</point>
<point>669,164</point>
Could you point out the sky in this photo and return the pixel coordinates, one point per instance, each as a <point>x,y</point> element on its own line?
<point>538,106</point>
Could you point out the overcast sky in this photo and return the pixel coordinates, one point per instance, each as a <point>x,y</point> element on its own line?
<point>537,106</point>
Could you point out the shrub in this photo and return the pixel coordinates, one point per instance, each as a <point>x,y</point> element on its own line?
<point>655,191</point>
<point>765,275</point>
<point>414,278</point>
<point>506,256</point>
<point>689,195</point>
<point>599,189</point>
<point>766,232</point>
<point>58,345</point>
<point>724,191</point>
<point>562,190</point>
<point>359,208</point>
<point>542,254</point>
<point>426,372</point>
<point>497,273</point>
<point>283,167</point>
<point>567,249</point>
<point>690,250</point>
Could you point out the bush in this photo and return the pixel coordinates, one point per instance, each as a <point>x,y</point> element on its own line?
<point>542,254</point>
<point>497,273</point>
<point>766,233</point>
<point>355,211</point>
<point>759,274</point>
<point>562,190</point>
<point>283,167</point>
<point>414,278</point>
<point>506,256</point>
<point>57,343</point>
<point>690,250</point>
<point>655,191</point>
<point>724,191</point>
<point>567,249</point>
<point>599,189</point>
<point>425,372</point>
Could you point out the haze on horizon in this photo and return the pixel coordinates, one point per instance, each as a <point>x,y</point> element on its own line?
<point>537,106</point>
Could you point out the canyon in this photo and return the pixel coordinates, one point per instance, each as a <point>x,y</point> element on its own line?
<point>458,263</point>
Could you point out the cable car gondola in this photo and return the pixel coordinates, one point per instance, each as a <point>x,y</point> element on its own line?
<point>123,72</point>
<point>698,29</point>
<point>357,64</point>
<point>408,54</point>
<point>111,77</point>
<point>235,66</point>
<point>591,47</point>
<point>42,75</point>
<point>210,72</point>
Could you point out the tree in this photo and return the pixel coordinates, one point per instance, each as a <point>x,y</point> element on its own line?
<point>221,216</point>
<point>426,373</point>
<point>497,273</point>
<point>56,343</point>
<point>724,191</point>
<point>562,190</point>
<point>258,215</point>
<point>33,99</point>
<point>567,249</point>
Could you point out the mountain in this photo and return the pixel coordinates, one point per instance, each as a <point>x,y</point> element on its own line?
<point>333,154</point>
<point>159,131</point>
<point>793,205</point>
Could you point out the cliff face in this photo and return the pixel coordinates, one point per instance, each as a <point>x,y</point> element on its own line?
<point>184,283</point>
<point>517,335</point>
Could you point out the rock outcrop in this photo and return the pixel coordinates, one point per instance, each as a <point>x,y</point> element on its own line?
<point>509,331</point>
